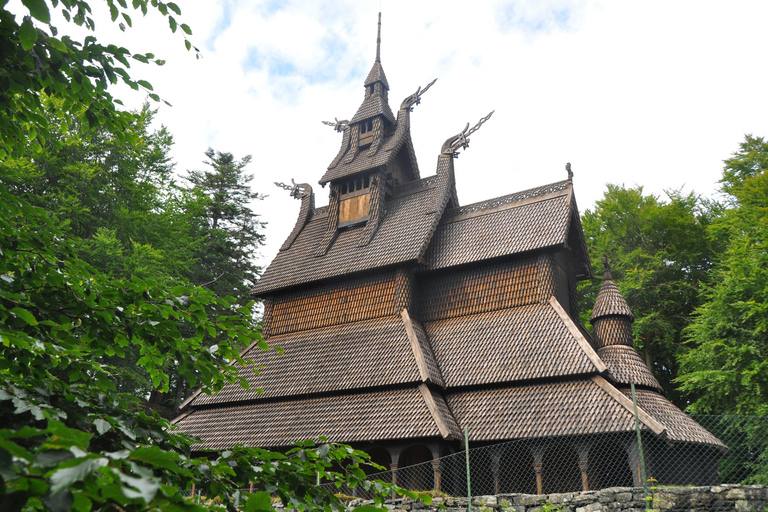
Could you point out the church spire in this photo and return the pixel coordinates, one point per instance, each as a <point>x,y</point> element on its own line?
<point>376,102</point>
<point>377,72</point>
<point>378,42</point>
<point>612,319</point>
<point>606,269</point>
<point>610,301</point>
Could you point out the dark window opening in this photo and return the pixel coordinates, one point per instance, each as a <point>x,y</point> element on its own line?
<point>366,127</point>
<point>355,185</point>
<point>366,132</point>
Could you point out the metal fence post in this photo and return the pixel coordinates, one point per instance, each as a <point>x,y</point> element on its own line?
<point>469,485</point>
<point>640,448</point>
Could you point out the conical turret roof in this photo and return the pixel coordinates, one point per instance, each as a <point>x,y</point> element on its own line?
<point>375,102</point>
<point>610,301</point>
<point>377,75</point>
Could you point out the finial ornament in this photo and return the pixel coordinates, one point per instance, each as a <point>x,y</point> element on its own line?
<point>415,98</point>
<point>570,172</point>
<point>461,140</point>
<point>606,269</point>
<point>337,125</point>
<point>298,190</point>
<point>378,41</point>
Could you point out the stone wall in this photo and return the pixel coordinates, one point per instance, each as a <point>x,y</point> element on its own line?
<point>741,498</point>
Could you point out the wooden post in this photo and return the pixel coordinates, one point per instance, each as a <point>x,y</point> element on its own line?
<point>393,468</point>
<point>193,492</point>
<point>437,469</point>
<point>469,481</point>
<point>539,487</point>
<point>538,456</point>
<point>583,466</point>
<point>495,463</point>
<point>634,463</point>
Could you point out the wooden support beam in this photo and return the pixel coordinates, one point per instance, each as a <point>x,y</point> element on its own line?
<point>650,422</point>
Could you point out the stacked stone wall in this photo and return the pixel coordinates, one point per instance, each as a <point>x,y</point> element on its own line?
<point>741,498</point>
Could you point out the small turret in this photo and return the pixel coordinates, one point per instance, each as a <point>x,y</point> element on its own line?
<point>612,319</point>
<point>611,316</point>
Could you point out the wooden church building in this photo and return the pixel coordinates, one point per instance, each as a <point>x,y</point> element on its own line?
<point>406,318</point>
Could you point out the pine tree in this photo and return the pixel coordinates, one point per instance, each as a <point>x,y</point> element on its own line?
<point>229,229</point>
<point>726,369</point>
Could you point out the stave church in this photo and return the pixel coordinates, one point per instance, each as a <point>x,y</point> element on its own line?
<point>409,320</point>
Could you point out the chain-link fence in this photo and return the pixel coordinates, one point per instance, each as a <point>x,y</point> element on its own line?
<point>736,452</point>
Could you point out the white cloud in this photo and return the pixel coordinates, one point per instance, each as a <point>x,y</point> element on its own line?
<point>655,93</point>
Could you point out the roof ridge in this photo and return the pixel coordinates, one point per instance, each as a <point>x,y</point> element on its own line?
<point>544,190</point>
<point>418,351</point>
<point>580,339</point>
<point>617,395</point>
<point>447,180</point>
<point>409,186</point>
<point>415,346</point>
<point>434,410</point>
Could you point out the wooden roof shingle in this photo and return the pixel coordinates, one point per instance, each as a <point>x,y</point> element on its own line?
<point>349,356</point>
<point>626,366</point>
<point>508,345</point>
<point>679,426</point>
<point>503,226</point>
<point>340,418</point>
<point>539,410</point>
<point>403,231</point>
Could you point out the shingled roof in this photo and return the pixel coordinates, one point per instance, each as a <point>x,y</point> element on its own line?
<point>507,346</point>
<point>504,226</point>
<point>372,353</point>
<point>679,426</point>
<point>404,232</point>
<point>609,300</point>
<point>515,223</point>
<point>340,418</point>
<point>393,142</point>
<point>544,410</point>
<point>627,367</point>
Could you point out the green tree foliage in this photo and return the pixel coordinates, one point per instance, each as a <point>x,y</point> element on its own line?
<point>726,368</point>
<point>118,198</point>
<point>37,64</point>
<point>229,229</point>
<point>659,257</point>
<point>69,440</point>
<point>126,216</point>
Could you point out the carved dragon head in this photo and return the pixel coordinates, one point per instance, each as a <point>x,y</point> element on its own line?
<point>415,98</point>
<point>298,190</point>
<point>339,126</point>
<point>461,140</point>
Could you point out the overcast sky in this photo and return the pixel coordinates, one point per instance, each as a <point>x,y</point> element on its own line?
<point>653,93</point>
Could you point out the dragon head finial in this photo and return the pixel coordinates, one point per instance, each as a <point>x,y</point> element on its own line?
<point>339,126</point>
<point>415,98</point>
<point>298,190</point>
<point>461,140</point>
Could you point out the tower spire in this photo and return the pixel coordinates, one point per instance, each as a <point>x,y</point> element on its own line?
<point>378,41</point>
<point>606,269</point>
